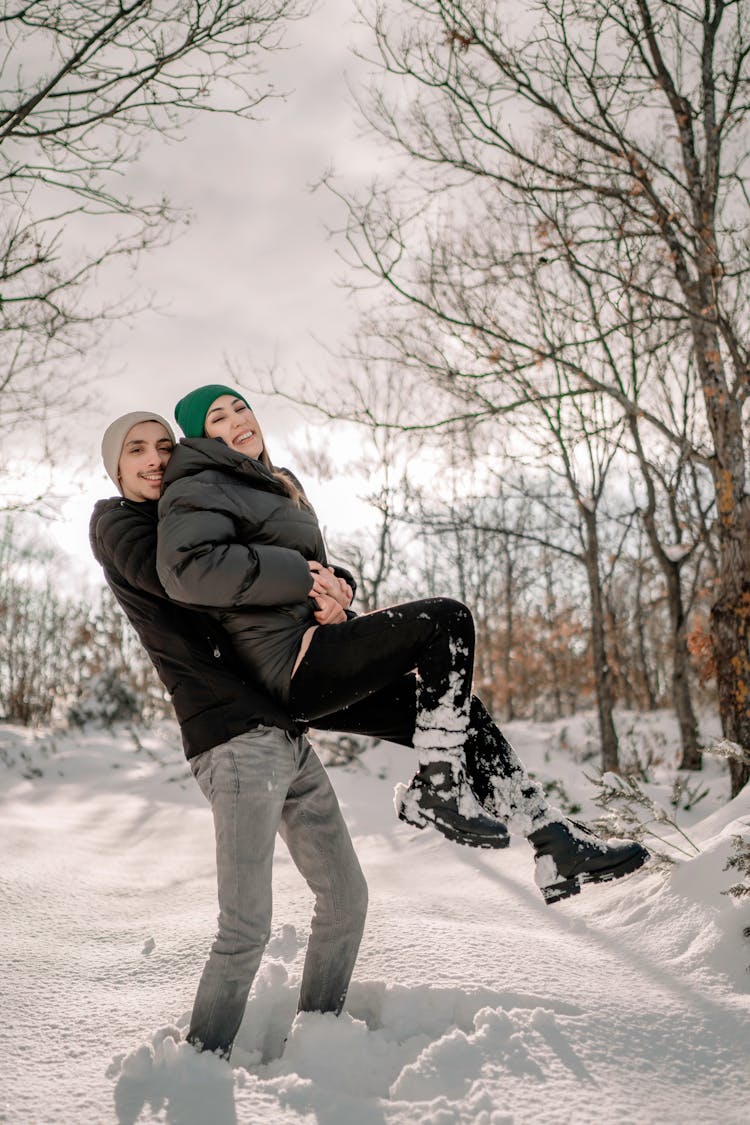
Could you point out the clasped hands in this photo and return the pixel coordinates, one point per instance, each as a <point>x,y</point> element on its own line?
<point>332,594</point>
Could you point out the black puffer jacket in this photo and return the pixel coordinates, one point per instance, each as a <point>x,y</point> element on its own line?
<point>212,700</point>
<point>231,538</point>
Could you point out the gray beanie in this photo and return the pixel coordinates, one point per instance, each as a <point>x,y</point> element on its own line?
<point>117,431</point>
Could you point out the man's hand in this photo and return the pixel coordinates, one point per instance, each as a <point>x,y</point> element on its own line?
<point>326,583</point>
<point>329,611</point>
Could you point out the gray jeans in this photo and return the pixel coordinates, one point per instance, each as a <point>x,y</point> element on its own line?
<point>258,784</point>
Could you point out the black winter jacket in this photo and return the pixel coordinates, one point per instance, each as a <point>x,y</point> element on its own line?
<point>231,538</point>
<point>212,700</point>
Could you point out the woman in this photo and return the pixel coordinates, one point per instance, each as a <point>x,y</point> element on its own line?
<point>239,537</point>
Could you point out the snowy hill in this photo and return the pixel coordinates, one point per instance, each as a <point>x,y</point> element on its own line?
<point>472,1001</point>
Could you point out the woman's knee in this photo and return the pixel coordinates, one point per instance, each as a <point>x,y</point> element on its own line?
<point>455,615</point>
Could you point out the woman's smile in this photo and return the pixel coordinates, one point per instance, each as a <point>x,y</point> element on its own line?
<point>245,436</point>
<point>231,419</point>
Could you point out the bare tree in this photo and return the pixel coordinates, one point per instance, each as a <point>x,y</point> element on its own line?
<point>609,141</point>
<point>467,553</point>
<point>83,87</point>
<point>34,620</point>
<point>55,644</point>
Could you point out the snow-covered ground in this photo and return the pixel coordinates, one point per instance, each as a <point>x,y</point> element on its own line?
<point>472,1001</point>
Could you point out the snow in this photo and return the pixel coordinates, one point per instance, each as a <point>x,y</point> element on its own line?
<point>472,1001</point>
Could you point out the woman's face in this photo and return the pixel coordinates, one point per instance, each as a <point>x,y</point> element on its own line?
<point>232,419</point>
<point>145,454</point>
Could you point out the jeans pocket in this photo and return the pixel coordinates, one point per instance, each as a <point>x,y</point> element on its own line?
<point>200,767</point>
<point>223,772</point>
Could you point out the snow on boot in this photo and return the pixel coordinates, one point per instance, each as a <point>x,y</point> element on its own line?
<point>435,798</point>
<point>568,855</point>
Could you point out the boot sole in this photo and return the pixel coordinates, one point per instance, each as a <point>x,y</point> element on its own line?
<point>569,887</point>
<point>469,840</point>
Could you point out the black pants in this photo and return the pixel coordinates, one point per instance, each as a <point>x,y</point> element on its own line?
<point>374,674</point>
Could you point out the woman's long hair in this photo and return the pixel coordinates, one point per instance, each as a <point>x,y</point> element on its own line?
<point>295,493</point>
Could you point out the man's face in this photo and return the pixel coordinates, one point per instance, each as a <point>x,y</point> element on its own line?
<point>145,454</point>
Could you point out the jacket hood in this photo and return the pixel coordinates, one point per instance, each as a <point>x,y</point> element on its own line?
<point>112,502</point>
<point>196,455</point>
<point>102,506</point>
<point>148,509</point>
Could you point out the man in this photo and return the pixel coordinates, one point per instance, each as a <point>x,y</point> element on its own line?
<point>256,768</point>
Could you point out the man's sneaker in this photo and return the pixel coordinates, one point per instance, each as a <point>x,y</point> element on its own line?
<point>455,811</point>
<point>568,854</point>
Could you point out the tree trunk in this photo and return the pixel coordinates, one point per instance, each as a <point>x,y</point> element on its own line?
<point>510,709</point>
<point>640,632</point>
<point>550,616</point>
<point>683,704</point>
<point>671,569</point>
<point>621,682</point>
<point>730,614</point>
<point>730,617</point>
<point>602,673</point>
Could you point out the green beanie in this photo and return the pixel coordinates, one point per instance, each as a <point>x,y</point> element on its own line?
<point>191,410</point>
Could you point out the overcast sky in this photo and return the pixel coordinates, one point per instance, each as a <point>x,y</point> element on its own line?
<point>255,276</point>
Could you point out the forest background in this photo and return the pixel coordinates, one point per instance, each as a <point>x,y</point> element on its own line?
<point>539,365</point>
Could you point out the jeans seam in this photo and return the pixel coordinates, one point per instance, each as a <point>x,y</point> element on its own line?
<point>225,960</point>
<point>326,974</point>
<point>232,951</point>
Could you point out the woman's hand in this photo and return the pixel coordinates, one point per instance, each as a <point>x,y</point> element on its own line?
<point>329,611</point>
<point>326,583</point>
<point>345,594</point>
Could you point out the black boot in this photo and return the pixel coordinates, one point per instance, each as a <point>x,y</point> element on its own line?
<point>568,854</point>
<point>434,798</point>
